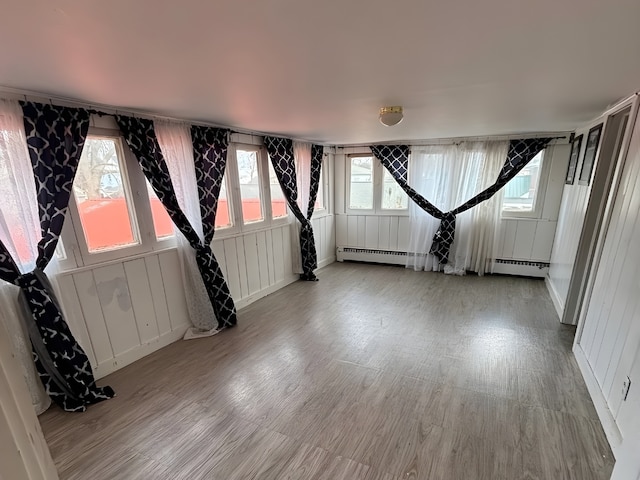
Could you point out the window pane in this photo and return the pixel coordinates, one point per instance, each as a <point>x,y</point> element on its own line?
<point>520,192</point>
<point>278,201</point>
<point>162,224</point>
<point>361,191</point>
<point>249,185</point>
<point>223,217</point>
<point>393,197</point>
<point>102,197</point>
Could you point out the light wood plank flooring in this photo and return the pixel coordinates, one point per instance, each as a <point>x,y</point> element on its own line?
<point>373,373</point>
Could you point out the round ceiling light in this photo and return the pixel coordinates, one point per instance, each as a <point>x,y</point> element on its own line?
<point>390,116</point>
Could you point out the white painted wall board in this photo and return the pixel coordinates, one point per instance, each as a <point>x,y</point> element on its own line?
<point>173,289</point>
<point>156,284</point>
<point>371,232</point>
<point>115,300</point>
<point>93,316</point>
<point>272,268</point>
<point>510,229</point>
<point>252,263</point>
<point>233,273</point>
<point>393,233</point>
<point>525,233</point>
<point>242,266</point>
<point>217,247</point>
<point>287,252</point>
<point>362,230</point>
<point>263,264</point>
<point>342,230</point>
<point>543,241</point>
<point>352,231</point>
<point>403,234</point>
<point>278,254</point>
<point>383,233</point>
<point>74,316</point>
<point>141,300</point>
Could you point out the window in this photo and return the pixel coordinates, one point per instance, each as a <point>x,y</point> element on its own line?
<point>250,189</point>
<point>371,187</point>
<point>223,215</point>
<point>114,212</point>
<point>361,192</point>
<point>278,202</point>
<point>103,200</point>
<point>521,192</point>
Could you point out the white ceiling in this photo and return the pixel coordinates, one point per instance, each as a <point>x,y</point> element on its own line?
<point>320,69</point>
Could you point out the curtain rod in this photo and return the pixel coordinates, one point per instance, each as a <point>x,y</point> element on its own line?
<point>459,140</point>
<point>102,109</point>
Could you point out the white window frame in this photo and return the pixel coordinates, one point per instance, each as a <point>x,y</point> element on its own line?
<point>235,198</point>
<point>378,175</point>
<point>74,241</point>
<point>324,188</point>
<point>538,201</point>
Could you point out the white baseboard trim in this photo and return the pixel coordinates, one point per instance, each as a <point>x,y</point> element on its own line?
<point>326,261</point>
<point>123,359</point>
<point>555,298</point>
<point>609,425</point>
<point>243,302</point>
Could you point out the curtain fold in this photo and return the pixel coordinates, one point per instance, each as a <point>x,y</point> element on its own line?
<point>55,137</point>
<point>210,146</point>
<point>141,138</point>
<point>175,143</point>
<point>280,152</point>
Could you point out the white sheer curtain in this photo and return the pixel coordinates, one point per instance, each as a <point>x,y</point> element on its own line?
<point>448,175</point>
<point>302,157</point>
<point>20,232</point>
<point>175,142</point>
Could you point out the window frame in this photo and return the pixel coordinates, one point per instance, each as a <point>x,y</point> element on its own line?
<point>323,187</point>
<point>541,190</point>
<point>234,195</point>
<point>73,238</point>
<point>378,185</point>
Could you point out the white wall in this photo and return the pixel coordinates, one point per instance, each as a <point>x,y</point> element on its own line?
<point>609,340</point>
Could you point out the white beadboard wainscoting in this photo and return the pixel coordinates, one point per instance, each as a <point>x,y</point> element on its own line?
<point>123,310</point>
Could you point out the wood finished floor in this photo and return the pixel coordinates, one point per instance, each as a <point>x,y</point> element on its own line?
<point>373,373</point>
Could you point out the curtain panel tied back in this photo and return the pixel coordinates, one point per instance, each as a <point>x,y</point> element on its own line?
<point>280,152</point>
<point>141,138</point>
<point>55,137</point>
<point>395,158</point>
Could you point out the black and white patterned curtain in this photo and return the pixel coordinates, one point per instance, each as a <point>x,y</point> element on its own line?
<point>395,158</point>
<point>55,138</point>
<point>281,154</point>
<point>210,157</point>
<point>141,138</point>
<point>317,152</point>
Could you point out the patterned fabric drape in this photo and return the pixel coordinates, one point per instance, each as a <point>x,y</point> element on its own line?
<point>210,157</point>
<point>395,158</point>
<point>281,154</point>
<point>317,152</point>
<point>141,138</point>
<point>55,138</point>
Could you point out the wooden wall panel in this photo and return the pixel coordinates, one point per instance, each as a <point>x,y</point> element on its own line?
<point>162,320</point>
<point>142,300</point>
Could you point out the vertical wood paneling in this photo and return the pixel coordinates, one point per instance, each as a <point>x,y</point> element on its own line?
<point>74,316</point>
<point>331,237</point>
<point>233,273</point>
<point>115,300</point>
<point>173,289</point>
<point>393,233</point>
<point>278,254</point>
<point>525,233</point>
<point>352,231</point>
<point>543,241</point>
<point>403,234</point>
<point>362,231</point>
<point>383,233</point>
<point>92,312</point>
<point>263,259</point>
<point>252,263</point>
<point>371,232</point>
<point>157,294</point>
<point>287,251</point>
<point>141,300</point>
<point>242,266</point>
<point>218,251</point>
<point>510,228</point>
<point>342,231</point>
<point>272,268</point>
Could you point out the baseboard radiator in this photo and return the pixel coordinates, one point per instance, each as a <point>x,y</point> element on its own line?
<point>371,255</point>
<point>521,267</point>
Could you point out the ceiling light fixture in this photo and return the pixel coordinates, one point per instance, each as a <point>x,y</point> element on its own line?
<point>390,116</point>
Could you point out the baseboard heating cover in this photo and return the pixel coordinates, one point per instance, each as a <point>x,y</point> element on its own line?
<point>521,267</point>
<point>371,255</point>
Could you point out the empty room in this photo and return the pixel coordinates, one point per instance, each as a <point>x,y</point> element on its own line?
<point>319,240</point>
